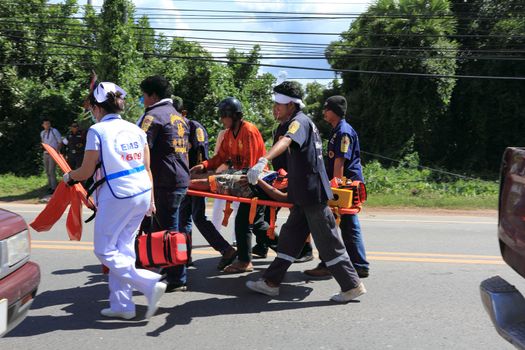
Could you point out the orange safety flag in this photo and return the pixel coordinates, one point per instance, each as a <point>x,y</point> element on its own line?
<point>62,163</point>
<point>62,197</point>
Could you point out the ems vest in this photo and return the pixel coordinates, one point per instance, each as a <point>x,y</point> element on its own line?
<point>122,157</point>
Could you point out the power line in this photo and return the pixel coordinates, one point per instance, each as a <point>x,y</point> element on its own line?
<point>408,74</point>
<point>303,56</point>
<point>502,36</point>
<point>426,167</point>
<point>310,44</point>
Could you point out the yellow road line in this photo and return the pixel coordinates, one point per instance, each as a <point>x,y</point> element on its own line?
<point>434,260</point>
<point>467,256</point>
<point>38,241</point>
<point>60,247</point>
<point>204,251</point>
<point>373,256</point>
<point>432,221</point>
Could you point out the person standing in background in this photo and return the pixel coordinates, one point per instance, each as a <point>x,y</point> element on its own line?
<point>75,142</point>
<point>50,136</point>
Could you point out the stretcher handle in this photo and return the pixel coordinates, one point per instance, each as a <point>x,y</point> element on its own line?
<point>227,212</point>
<point>253,210</point>
<point>271,230</point>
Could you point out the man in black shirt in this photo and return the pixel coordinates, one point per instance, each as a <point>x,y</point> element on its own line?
<point>168,134</point>
<point>308,190</point>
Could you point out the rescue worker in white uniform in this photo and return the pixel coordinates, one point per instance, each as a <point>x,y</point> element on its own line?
<point>122,200</point>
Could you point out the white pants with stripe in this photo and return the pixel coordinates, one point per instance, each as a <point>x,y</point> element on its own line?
<point>116,225</point>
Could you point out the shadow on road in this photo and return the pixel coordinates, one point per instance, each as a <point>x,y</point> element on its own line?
<point>31,195</point>
<point>206,279</point>
<point>81,305</point>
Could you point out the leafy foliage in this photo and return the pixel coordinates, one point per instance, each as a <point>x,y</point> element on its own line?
<point>47,55</point>
<point>396,115</point>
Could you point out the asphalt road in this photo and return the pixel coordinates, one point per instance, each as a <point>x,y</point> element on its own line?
<point>423,293</point>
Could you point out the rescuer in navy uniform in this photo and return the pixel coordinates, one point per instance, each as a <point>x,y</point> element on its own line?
<point>280,162</point>
<point>344,159</point>
<point>75,142</point>
<point>168,134</point>
<point>309,191</point>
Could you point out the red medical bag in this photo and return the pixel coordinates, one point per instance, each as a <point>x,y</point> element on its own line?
<point>161,249</point>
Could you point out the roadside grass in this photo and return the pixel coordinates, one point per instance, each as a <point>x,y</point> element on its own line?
<point>397,187</point>
<point>22,189</point>
<point>408,185</point>
<point>432,201</point>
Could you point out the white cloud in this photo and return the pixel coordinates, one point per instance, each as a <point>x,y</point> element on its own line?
<point>180,20</point>
<point>261,6</point>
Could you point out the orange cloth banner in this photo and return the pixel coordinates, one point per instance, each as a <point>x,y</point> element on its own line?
<point>62,197</point>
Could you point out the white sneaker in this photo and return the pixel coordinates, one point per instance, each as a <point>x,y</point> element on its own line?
<point>153,304</point>
<point>344,297</point>
<point>261,286</point>
<point>127,315</point>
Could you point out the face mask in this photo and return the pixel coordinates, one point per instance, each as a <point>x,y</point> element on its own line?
<point>92,116</point>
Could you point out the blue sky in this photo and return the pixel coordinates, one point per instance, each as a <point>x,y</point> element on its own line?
<point>180,20</point>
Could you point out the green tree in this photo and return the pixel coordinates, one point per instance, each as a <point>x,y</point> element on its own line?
<point>395,115</point>
<point>120,61</point>
<point>243,66</point>
<point>39,73</point>
<point>487,115</point>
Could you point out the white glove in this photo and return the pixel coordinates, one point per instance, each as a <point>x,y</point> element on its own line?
<point>255,171</point>
<point>152,209</point>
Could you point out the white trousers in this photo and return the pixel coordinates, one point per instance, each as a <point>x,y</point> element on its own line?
<point>218,214</point>
<point>116,225</point>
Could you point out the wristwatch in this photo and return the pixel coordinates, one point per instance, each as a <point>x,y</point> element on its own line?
<point>68,180</point>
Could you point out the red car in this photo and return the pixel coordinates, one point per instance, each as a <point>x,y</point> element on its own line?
<point>503,302</point>
<point>19,277</point>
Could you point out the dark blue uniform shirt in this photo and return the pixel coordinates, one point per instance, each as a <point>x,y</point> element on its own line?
<point>280,162</point>
<point>198,151</point>
<point>168,134</point>
<point>344,143</point>
<point>307,179</point>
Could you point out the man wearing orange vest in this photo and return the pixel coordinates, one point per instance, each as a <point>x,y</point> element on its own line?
<point>242,147</point>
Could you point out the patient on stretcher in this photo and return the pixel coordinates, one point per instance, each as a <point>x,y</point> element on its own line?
<point>234,183</point>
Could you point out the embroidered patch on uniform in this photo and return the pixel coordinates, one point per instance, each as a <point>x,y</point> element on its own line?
<point>345,144</point>
<point>146,122</point>
<point>294,126</point>
<point>174,118</point>
<point>200,134</point>
<point>331,154</point>
<point>180,129</point>
<point>239,146</point>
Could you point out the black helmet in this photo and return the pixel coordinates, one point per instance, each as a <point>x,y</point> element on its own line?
<point>230,107</point>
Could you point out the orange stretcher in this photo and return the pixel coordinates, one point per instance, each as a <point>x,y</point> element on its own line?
<point>269,203</point>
